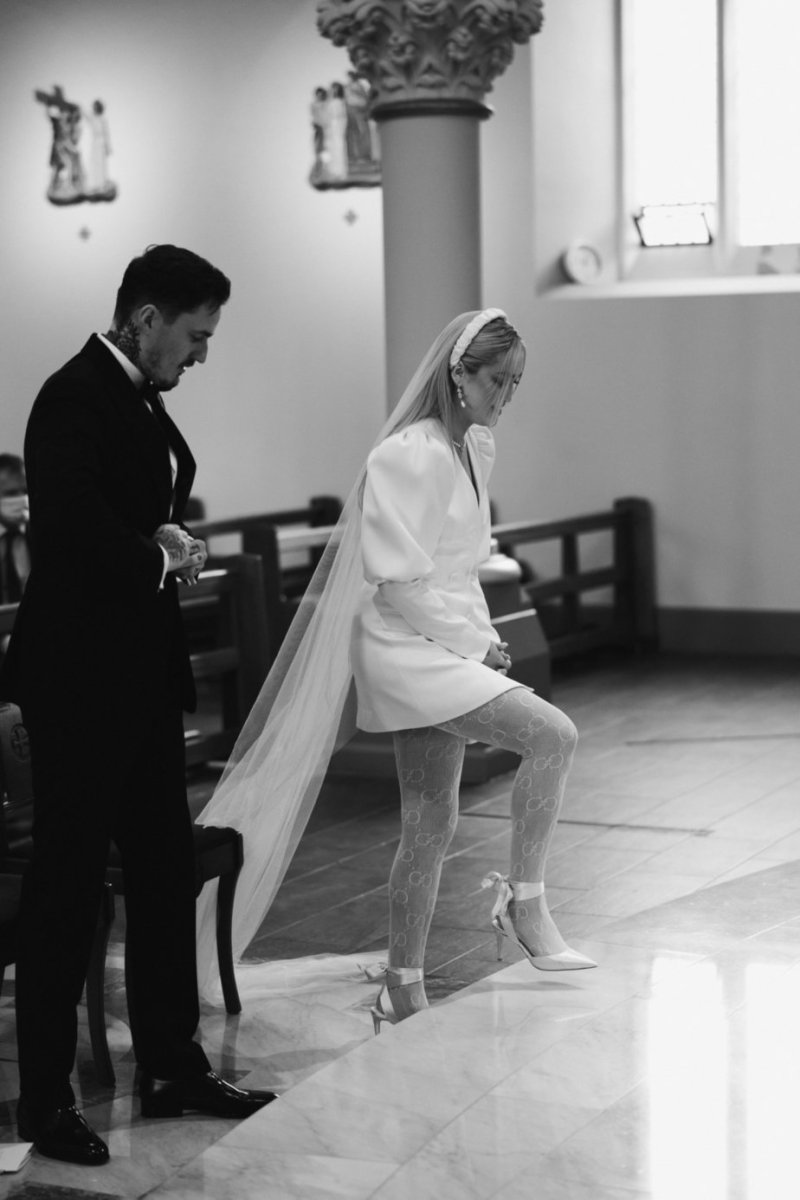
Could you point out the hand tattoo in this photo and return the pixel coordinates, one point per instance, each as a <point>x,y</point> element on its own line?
<point>175,541</point>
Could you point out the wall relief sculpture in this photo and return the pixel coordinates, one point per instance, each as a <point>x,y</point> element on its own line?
<point>345,138</point>
<point>79,150</point>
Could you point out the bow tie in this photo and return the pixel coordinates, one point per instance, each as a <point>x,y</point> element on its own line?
<point>151,395</point>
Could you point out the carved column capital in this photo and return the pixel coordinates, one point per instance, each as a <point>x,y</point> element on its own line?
<point>429,55</point>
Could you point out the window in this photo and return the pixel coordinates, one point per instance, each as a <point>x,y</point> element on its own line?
<point>710,106</point>
<point>764,102</point>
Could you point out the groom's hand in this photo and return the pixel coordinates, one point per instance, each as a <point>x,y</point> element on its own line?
<point>178,545</point>
<point>189,575</point>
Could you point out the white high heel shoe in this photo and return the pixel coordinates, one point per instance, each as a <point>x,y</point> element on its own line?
<point>384,1008</point>
<point>564,960</point>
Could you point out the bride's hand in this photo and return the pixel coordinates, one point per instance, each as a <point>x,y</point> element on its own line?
<point>497,659</point>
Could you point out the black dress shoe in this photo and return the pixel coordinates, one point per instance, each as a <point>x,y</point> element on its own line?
<point>62,1133</point>
<point>203,1093</point>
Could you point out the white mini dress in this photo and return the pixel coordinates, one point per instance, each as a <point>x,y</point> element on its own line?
<point>423,628</point>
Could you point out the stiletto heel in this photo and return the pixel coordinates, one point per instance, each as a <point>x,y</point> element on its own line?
<point>384,1008</point>
<point>498,933</point>
<point>563,960</point>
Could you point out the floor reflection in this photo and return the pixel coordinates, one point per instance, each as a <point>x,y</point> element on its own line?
<point>687,1083</point>
<point>771,1079</point>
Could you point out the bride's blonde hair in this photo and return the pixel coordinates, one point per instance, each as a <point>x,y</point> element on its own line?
<point>433,390</point>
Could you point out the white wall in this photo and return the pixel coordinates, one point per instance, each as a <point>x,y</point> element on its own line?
<point>575,143</point>
<point>690,402</point>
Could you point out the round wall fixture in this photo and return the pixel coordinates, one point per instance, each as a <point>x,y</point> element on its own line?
<point>581,263</point>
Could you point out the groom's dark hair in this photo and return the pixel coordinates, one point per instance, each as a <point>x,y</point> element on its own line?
<point>175,280</point>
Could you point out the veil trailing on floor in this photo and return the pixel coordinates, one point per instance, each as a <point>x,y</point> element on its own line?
<point>304,712</point>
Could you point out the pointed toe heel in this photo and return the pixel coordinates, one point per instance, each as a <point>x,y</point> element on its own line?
<point>563,960</point>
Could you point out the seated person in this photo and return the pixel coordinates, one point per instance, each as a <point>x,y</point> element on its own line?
<point>15,560</point>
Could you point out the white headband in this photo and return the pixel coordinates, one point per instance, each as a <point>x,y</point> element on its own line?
<point>472,330</point>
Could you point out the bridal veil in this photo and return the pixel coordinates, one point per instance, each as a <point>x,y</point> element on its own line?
<point>305,709</point>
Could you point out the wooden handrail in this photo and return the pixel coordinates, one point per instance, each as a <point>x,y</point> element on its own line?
<point>631,619</point>
<point>265,534</point>
<point>543,531</point>
<point>320,510</point>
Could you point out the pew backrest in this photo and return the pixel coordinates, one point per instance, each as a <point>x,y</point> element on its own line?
<point>228,599</point>
<point>629,618</point>
<point>285,576</point>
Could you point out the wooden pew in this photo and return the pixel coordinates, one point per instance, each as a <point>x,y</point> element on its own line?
<point>285,577</point>
<point>229,672</point>
<point>628,619</point>
<point>228,599</point>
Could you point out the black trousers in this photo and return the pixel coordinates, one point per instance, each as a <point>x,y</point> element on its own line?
<point>94,781</point>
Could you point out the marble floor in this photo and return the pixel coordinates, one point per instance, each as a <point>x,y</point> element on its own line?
<point>670,1072</point>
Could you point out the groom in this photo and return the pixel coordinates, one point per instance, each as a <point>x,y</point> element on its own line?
<point>99,665</point>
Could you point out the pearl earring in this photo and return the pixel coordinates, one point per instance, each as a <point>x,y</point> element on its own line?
<point>460,394</point>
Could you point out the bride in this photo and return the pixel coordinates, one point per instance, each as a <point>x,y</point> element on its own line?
<point>394,634</point>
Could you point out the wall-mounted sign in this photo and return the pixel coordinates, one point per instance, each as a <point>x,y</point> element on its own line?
<point>79,150</point>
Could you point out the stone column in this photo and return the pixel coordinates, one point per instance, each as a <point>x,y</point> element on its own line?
<point>430,64</point>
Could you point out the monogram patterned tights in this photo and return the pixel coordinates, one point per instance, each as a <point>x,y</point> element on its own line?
<point>429,765</point>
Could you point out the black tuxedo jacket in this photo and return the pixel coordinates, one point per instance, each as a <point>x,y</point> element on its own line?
<point>94,634</point>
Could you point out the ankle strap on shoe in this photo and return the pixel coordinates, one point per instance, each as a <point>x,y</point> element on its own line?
<point>400,976</point>
<point>508,891</point>
<point>527,891</point>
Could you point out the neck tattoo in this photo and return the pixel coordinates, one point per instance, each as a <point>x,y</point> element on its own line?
<point>127,342</point>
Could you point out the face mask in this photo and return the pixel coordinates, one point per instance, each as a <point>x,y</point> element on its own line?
<point>14,509</point>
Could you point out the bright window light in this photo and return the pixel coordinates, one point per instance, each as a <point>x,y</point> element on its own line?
<point>672,56</point>
<point>766,90</point>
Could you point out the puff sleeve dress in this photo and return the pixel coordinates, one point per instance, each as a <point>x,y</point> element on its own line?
<point>423,628</point>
